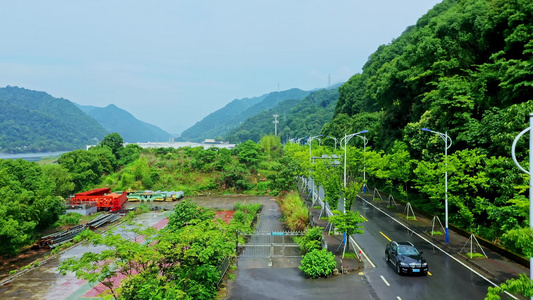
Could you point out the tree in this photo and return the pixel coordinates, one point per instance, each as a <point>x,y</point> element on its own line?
<point>521,285</point>
<point>347,222</point>
<point>113,141</point>
<point>185,212</point>
<point>62,179</point>
<point>248,153</point>
<point>27,203</point>
<point>84,166</point>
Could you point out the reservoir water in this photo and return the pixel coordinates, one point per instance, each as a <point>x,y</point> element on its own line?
<point>31,156</point>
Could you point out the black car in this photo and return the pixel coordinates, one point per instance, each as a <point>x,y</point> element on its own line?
<point>406,258</point>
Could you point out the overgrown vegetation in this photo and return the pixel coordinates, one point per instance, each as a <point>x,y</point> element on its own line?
<point>178,262</point>
<point>295,213</point>
<point>312,240</point>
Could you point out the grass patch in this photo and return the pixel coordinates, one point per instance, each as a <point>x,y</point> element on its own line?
<point>436,233</point>
<point>411,218</point>
<point>350,255</point>
<point>475,255</point>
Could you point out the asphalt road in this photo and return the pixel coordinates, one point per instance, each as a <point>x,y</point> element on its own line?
<point>448,278</point>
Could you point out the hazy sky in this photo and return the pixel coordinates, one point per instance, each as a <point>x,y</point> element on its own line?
<point>171,63</point>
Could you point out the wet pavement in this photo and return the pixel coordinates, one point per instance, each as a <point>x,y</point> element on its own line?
<point>496,266</point>
<point>45,282</point>
<point>254,279</point>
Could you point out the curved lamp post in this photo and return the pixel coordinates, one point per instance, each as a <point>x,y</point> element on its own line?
<point>309,140</point>
<point>335,139</point>
<point>447,144</point>
<point>530,177</point>
<point>347,138</point>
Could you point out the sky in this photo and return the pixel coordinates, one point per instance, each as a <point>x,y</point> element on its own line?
<point>172,63</point>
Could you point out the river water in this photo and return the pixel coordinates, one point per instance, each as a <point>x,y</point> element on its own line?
<point>31,156</point>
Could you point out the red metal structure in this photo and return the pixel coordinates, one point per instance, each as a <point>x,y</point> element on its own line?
<point>104,199</point>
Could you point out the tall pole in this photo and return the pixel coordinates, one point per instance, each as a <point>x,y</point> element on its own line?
<point>345,141</point>
<point>530,178</point>
<point>446,139</point>
<point>446,185</point>
<point>531,189</point>
<point>310,141</point>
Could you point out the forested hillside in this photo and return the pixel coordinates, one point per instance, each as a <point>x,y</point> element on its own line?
<point>296,118</point>
<point>218,124</point>
<point>465,69</point>
<point>32,121</point>
<point>132,130</point>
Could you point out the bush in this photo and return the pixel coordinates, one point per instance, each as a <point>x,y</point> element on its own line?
<point>70,219</point>
<point>318,263</point>
<point>312,240</point>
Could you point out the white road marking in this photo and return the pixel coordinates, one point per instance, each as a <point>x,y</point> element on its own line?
<point>385,280</point>
<point>437,247</point>
<point>362,252</point>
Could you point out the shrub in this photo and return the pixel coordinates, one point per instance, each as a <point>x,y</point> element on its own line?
<point>318,263</point>
<point>312,240</point>
<point>70,219</point>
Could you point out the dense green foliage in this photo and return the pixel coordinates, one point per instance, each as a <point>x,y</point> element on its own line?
<point>32,121</point>
<point>318,263</point>
<point>219,123</point>
<point>27,203</point>
<point>297,118</point>
<point>33,194</point>
<point>347,222</point>
<point>312,240</point>
<point>464,69</point>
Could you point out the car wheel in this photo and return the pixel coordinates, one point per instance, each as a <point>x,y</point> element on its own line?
<point>425,274</point>
<point>398,270</point>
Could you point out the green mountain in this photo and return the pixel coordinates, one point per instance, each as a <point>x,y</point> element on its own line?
<point>32,121</point>
<point>461,78</point>
<point>219,123</point>
<point>132,130</point>
<point>296,118</point>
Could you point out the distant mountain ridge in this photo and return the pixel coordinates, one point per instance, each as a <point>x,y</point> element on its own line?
<point>132,130</point>
<point>219,123</point>
<point>296,118</point>
<point>32,121</point>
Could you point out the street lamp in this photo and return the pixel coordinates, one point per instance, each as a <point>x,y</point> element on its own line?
<point>365,141</point>
<point>447,140</point>
<point>346,138</point>
<point>309,140</point>
<point>530,177</point>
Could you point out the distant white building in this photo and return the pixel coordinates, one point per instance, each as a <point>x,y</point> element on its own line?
<point>176,145</point>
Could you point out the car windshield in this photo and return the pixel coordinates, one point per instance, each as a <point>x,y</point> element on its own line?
<point>407,250</point>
